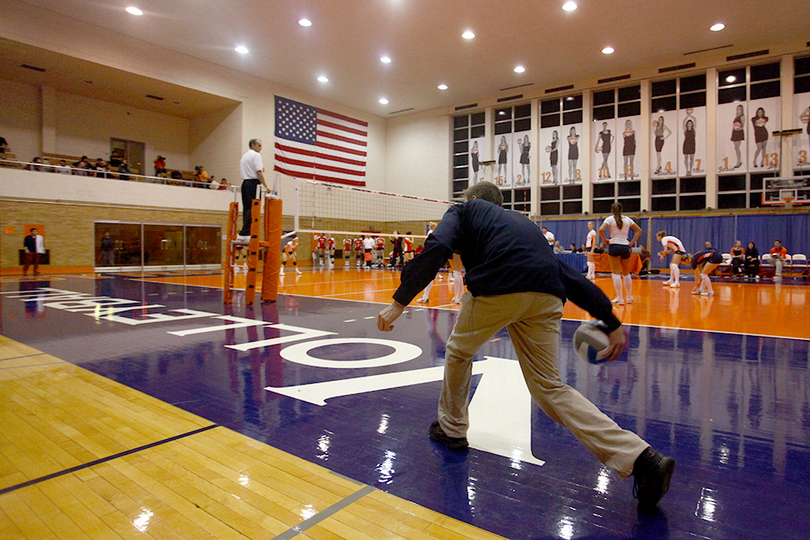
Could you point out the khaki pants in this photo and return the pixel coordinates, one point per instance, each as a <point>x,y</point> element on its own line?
<point>533,322</point>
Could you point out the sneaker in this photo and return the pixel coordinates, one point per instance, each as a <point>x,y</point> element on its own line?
<point>453,443</point>
<point>697,292</point>
<point>675,285</point>
<point>777,278</point>
<point>456,300</point>
<point>707,293</point>
<point>423,300</point>
<point>617,301</point>
<point>652,472</point>
<point>667,283</point>
<point>281,273</point>
<point>630,300</point>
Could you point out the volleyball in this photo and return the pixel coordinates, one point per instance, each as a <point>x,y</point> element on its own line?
<point>548,148</point>
<point>591,342</point>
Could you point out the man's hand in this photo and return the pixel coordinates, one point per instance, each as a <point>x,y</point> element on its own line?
<point>386,318</point>
<point>618,339</point>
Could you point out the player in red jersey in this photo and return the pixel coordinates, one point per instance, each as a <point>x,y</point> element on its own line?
<point>380,251</point>
<point>358,250</point>
<point>321,243</point>
<point>330,245</point>
<point>408,246</point>
<point>347,250</point>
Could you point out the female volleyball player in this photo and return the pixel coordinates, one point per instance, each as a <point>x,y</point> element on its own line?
<point>290,254</point>
<point>590,244</point>
<point>674,246</point>
<point>704,263</point>
<point>619,250</point>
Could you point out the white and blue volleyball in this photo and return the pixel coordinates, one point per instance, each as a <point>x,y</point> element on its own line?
<point>591,341</point>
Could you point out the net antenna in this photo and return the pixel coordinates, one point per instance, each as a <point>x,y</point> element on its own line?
<point>347,211</point>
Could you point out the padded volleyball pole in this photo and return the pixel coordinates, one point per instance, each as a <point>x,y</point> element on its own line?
<point>253,252</point>
<point>272,255</point>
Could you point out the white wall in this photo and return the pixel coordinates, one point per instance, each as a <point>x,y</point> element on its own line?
<point>20,118</point>
<point>84,126</point>
<point>215,140</point>
<point>418,155</point>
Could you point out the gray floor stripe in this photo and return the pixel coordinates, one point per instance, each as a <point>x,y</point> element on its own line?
<point>23,356</point>
<point>320,516</point>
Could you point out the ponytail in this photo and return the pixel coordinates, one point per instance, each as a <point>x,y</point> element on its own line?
<point>617,214</point>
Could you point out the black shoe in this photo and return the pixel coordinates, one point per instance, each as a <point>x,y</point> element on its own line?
<point>453,443</point>
<point>652,472</point>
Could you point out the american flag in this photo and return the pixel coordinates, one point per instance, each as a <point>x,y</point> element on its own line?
<point>317,144</point>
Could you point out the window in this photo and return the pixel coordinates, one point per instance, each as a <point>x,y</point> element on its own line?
<point>468,129</point>
<point>511,171</point>
<point>801,116</point>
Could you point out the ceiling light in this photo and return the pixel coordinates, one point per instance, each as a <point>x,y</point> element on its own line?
<point>520,69</point>
<point>468,34</point>
<point>305,22</point>
<point>442,87</point>
<point>323,78</point>
<point>717,27</point>
<point>607,50</point>
<point>242,50</point>
<point>569,6</point>
<point>385,60</point>
<point>132,10</point>
<point>731,78</point>
<point>384,101</point>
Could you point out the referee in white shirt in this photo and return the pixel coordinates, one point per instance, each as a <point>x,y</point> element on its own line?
<point>252,172</point>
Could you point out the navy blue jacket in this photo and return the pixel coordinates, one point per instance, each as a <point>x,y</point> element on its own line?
<point>503,252</point>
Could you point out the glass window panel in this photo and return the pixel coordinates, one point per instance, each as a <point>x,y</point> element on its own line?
<point>664,88</point>
<point>163,245</point>
<point>629,93</point>
<point>203,245</point>
<point>731,200</point>
<point>524,124</point>
<point>604,113</point>
<point>693,184</point>
<point>732,182</point>
<point>460,160</point>
<point>801,85</point>
<point>460,134</point>
<point>503,114</point>
<point>551,193</point>
<point>572,192</point>
<point>600,191</point>
<point>550,120</point>
<point>765,72</point>
<point>460,173</point>
<point>691,101</point>
<point>664,204</point>
<point>571,103</point>
<point>477,119</point>
<point>503,127</point>
<point>550,106</point>
<point>693,202</point>
<point>629,109</point>
<point>122,247</point>
<point>604,97</point>
<point>731,77</point>
<point>550,209</point>
<point>461,147</point>
<point>627,189</point>
<point>476,132</point>
<point>666,186</point>
<point>730,95</point>
<point>664,104</point>
<point>572,207</point>
<point>572,117</point>
<point>631,205</point>
<point>690,84</point>
<point>523,111</point>
<point>461,121</point>
<point>602,206</point>
<point>765,90</point>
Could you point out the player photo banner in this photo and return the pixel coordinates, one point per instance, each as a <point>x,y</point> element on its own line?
<point>477,155</point>
<point>763,147</point>
<point>628,142</point>
<point>732,132</point>
<point>521,152</point>
<point>692,141</point>
<point>551,156</point>
<point>502,174</point>
<point>664,139</point>
<point>572,149</point>
<point>603,139</point>
<point>801,142</point>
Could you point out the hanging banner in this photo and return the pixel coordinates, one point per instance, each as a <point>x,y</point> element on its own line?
<point>628,141</point>
<point>477,155</point>
<point>571,148</point>
<point>521,152</point>
<point>732,133</point>
<point>603,165</point>
<point>692,149</point>
<point>550,157</point>
<point>502,173</point>
<point>664,144</point>
<point>763,147</point>
<point>801,142</point>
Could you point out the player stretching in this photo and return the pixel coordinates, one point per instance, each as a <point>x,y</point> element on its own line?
<point>674,246</point>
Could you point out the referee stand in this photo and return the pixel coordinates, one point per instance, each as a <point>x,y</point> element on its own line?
<point>271,244</point>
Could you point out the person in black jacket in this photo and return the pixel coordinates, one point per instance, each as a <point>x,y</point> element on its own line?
<point>514,280</point>
<point>752,261</point>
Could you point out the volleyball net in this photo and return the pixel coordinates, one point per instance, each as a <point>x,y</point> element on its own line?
<point>313,207</point>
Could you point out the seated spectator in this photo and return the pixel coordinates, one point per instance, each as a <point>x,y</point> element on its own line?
<point>81,167</point>
<point>160,166</point>
<point>778,255</point>
<point>599,248</point>
<point>752,261</point>
<point>63,167</point>
<point>737,259</point>
<point>200,177</point>
<point>32,167</point>
<point>223,184</point>
<point>123,168</point>
<point>4,147</point>
<point>573,248</point>
<point>101,169</point>
<point>558,247</point>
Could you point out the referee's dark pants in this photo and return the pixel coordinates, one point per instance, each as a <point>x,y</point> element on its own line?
<point>248,194</point>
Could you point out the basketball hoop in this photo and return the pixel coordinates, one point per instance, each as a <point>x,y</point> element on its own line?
<point>788,201</point>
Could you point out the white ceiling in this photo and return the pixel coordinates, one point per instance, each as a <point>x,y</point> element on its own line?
<point>423,39</point>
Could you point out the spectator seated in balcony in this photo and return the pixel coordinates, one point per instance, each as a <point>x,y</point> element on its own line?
<point>81,167</point>
<point>200,177</point>
<point>63,167</point>
<point>33,166</point>
<point>101,169</point>
<point>160,166</point>
<point>123,168</point>
<point>4,147</point>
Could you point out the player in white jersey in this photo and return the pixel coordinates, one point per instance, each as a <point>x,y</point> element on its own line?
<point>674,246</point>
<point>290,254</point>
<point>590,244</point>
<point>619,250</point>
